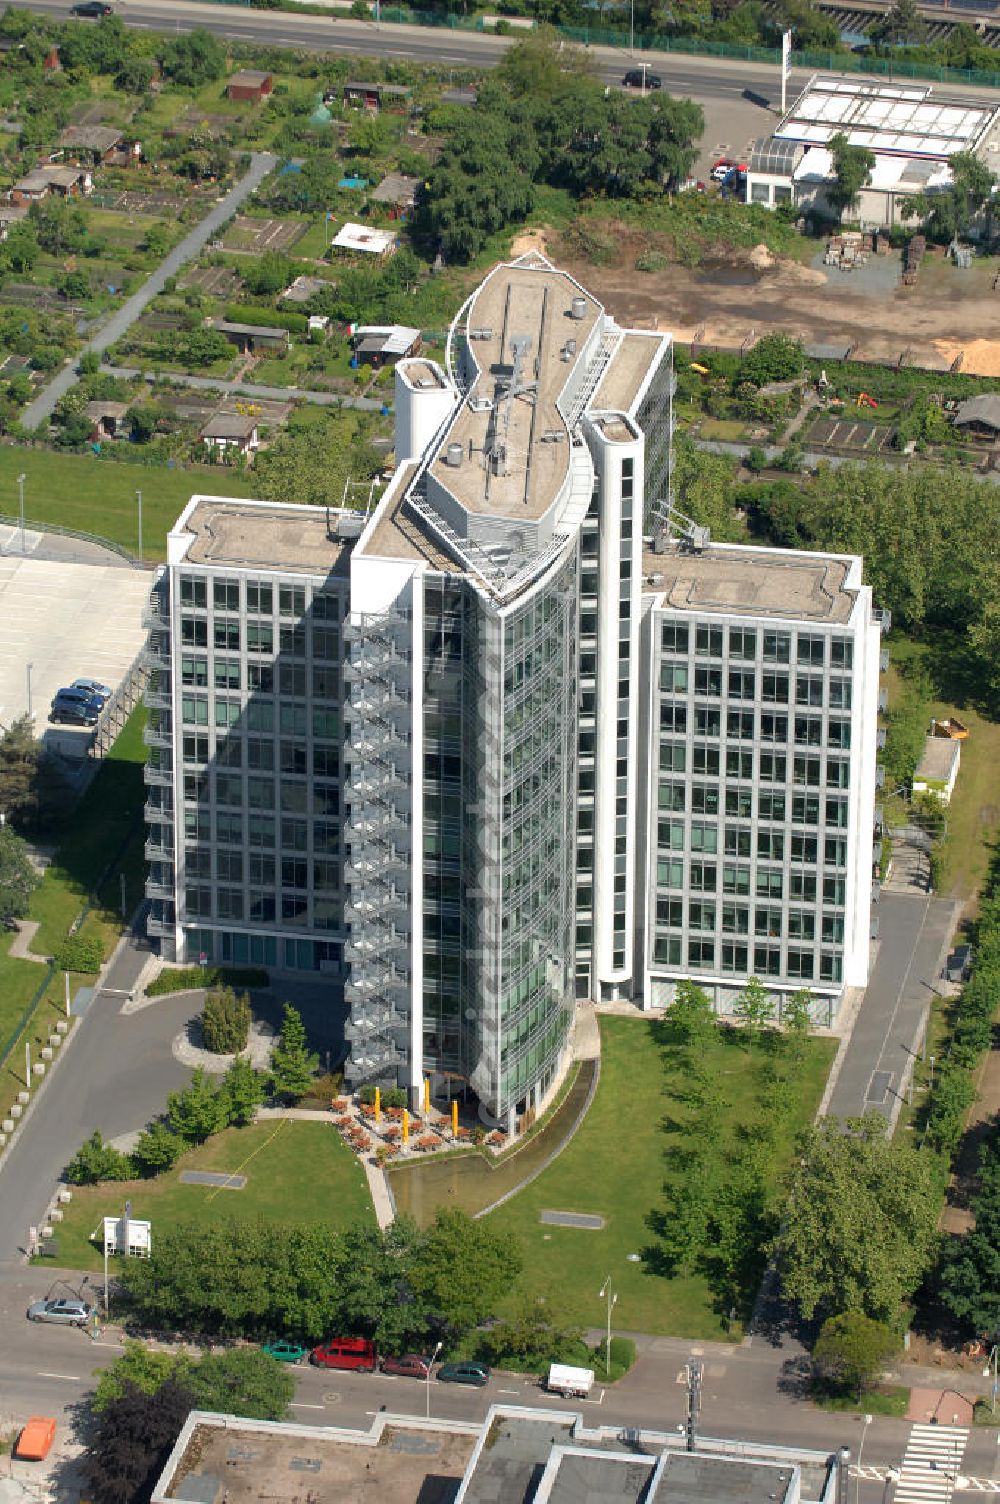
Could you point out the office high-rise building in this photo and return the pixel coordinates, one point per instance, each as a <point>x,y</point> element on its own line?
<point>452,755</point>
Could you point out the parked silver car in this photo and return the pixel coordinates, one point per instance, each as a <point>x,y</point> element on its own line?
<point>63,1312</point>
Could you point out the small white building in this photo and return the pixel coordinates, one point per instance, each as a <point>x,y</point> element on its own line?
<point>228,433</point>
<point>937,770</point>
<point>372,242</point>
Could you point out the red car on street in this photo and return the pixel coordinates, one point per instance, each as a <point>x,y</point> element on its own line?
<point>345,1352</point>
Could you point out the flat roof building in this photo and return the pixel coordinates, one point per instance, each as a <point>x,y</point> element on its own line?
<point>520,734</point>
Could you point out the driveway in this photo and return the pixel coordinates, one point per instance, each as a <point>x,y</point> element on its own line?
<point>261,163</point>
<point>914,934</point>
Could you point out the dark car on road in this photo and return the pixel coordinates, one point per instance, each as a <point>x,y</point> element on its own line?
<point>638,78</point>
<point>409,1366</point>
<point>91,10</point>
<point>464,1373</point>
<point>61,1312</point>
<point>76,707</point>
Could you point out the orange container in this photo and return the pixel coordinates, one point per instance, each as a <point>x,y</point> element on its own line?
<point>36,1439</point>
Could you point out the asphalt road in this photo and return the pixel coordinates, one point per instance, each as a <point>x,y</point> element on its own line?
<point>261,163</point>
<point>47,1370</point>
<point>700,78</point>
<point>914,932</point>
<point>118,1071</point>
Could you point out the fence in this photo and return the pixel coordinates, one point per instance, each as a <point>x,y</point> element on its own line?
<point>598,36</point>
<point>70,532</point>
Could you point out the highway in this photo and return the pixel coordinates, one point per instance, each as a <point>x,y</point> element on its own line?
<point>708,80</point>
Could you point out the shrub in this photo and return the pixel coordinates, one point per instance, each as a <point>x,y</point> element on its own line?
<point>183,979</point>
<point>95,1160</point>
<point>157,1150</point>
<point>849,1352</point>
<point>392,1096</point>
<point>225,1021</point>
<point>268,318</point>
<point>80,953</point>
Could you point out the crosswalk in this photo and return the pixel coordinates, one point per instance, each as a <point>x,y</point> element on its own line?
<point>931,1464</point>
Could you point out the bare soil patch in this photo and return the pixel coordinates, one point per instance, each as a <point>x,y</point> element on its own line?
<point>725,297</point>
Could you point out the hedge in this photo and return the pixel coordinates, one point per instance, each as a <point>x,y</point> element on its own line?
<point>187,978</point>
<point>267,318</point>
<point>80,953</point>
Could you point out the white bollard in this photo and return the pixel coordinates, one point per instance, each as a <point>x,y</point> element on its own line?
<point>62,1026</point>
<point>7,1125</point>
<point>16,1109</point>
<point>46,1052</point>
<point>38,1069</point>
<point>24,1098</point>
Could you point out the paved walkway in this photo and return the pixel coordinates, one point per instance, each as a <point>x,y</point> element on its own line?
<point>252,389</point>
<point>20,946</point>
<point>261,163</point>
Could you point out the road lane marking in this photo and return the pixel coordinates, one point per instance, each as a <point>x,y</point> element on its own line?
<point>508,1391</point>
<point>301,1405</point>
<point>71,1378</point>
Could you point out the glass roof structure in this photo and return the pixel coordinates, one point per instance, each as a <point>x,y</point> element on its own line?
<point>901,119</point>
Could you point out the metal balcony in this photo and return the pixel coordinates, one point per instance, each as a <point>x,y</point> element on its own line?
<point>155,889</point>
<point>880,737</point>
<point>876,891</point>
<point>374,1062</point>
<point>158,776</point>
<point>883,701</point>
<point>884,618</point>
<point>883,661</point>
<point>157,814</point>
<point>377,1021</point>
<point>157,696</point>
<point>880,777</point>
<point>158,851</point>
<point>158,733</point>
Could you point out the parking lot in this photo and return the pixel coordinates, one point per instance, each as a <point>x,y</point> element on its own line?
<point>68,621</point>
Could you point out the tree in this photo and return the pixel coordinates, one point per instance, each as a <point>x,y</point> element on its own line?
<point>143,1367</point>
<point>796,1016</point>
<point>850,1351</point>
<point>243,1090</point>
<point>244,1381</point>
<point>462,1271</point>
<point>859,1226</point>
<point>135,75</point>
<point>196,1112</point>
<point>195,59</point>
<point>18,879</point>
<point>775,357</point>
<point>691,1013</point>
<point>947,213</point>
<point>852,171</point>
<point>59,225</point>
<point>95,1161</point>
<point>131,1442</point>
<point>901,25</point>
<point>293,1065</point>
<point>529,1339</point>
<point>755,1007</point>
<point>157,1149</point>
<point>225,1021</point>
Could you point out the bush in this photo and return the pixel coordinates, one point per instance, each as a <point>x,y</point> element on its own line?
<point>225,1021</point>
<point>268,318</point>
<point>95,1160</point>
<point>850,1351</point>
<point>184,979</point>
<point>80,953</point>
<point>391,1096</point>
<point>157,1150</point>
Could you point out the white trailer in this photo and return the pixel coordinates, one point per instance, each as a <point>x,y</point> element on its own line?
<point>575,1382</point>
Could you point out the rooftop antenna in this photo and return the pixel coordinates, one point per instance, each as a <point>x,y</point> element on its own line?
<point>506,391</point>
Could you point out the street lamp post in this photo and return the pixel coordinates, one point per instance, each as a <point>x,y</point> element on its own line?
<point>612,1299</point>
<point>28,668</point>
<point>20,508</point>
<point>991,1367</point>
<point>138,497</point>
<point>866,1421</point>
<point>631,29</point>
<point>427,1381</point>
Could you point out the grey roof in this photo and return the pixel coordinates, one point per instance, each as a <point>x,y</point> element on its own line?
<point>98,410</point>
<point>821,350</point>
<point>939,757</point>
<point>303,288</point>
<point>696,1478</point>
<point>983,409</point>
<point>780,158</point>
<point>258,331</point>
<point>250,78</point>
<point>48,176</point>
<point>397,89</point>
<point>91,137</point>
<point>229,426</point>
<point>396,188</point>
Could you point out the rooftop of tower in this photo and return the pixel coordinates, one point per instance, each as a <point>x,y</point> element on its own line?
<point>529,329</point>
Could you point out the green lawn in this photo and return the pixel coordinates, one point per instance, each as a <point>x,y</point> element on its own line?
<point>615,1168</point>
<point>296,1172</point>
<point>98,496</point>
<point>103,838</point>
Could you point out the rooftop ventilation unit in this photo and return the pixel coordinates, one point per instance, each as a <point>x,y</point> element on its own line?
<point>654,579</point>
<point>453,456</point>
<point>351,526</point>
<point>480,333</point>
<point>553,436</point>
<point>578,308</point>
<point>481,405</point>
<point>569,349</point>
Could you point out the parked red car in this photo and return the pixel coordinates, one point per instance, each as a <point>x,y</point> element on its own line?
<point>345,1352</point>
<point>409,1366</point>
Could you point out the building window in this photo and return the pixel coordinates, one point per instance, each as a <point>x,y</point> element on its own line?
<point>760,193</point>
<point>708,681</point>
<point>811,650</point>
<point>838,773</point>
<point>770,884</point>
<point>735,919</point>
<point>672,796</point>
<point>703,877</point>
<point>705,760</point>
<point>673,757</point>
<point>742,642</point>
<point>835,852</point>
<point>708,642</point>
<point>194,670</point>
<point>767,922</point>
<point>773,728</point>
<point>833,929</point>
<point>194,710</point>
<point>834,890</point>
<point>701,915</point>
<point>803,848</point>
<point>670,913</point>
<point>704,837</point>
<point>801,964</point>
<point>198,903</point>
<point>840,694</point>
<point>805,809</point>
<point>771,806</point>
<point>291,600</point>
<point>670,835</point>
<point>801,925</point>
<point>771,845</point>
<point>229,903</point>
<point>739,802</point>
<point>839,735</point>
<point>742,684</point>
<point>674,637</point>
<point>738,842</point>
<point>774,689</point>
<point>802,887</point>
<point>226,595</point>
<point>260,601</point>
<point>666,950</point>
<point>670,874</point>
<point>707,721</point>
<point>777,647</point>
<point>841,652</point>
<point>831,967</point>
<point>701,953</point>
<point>734,957</point>
<point>194,632</point>
<point>773,767</point>
<point>673,717</point>
<point>740,725</point>
<point>260,637</point>
<point>809,730</point>
<point>808,689</point>
<point>193,592</point>
<point>736,879</point>
<point>767,960</point>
